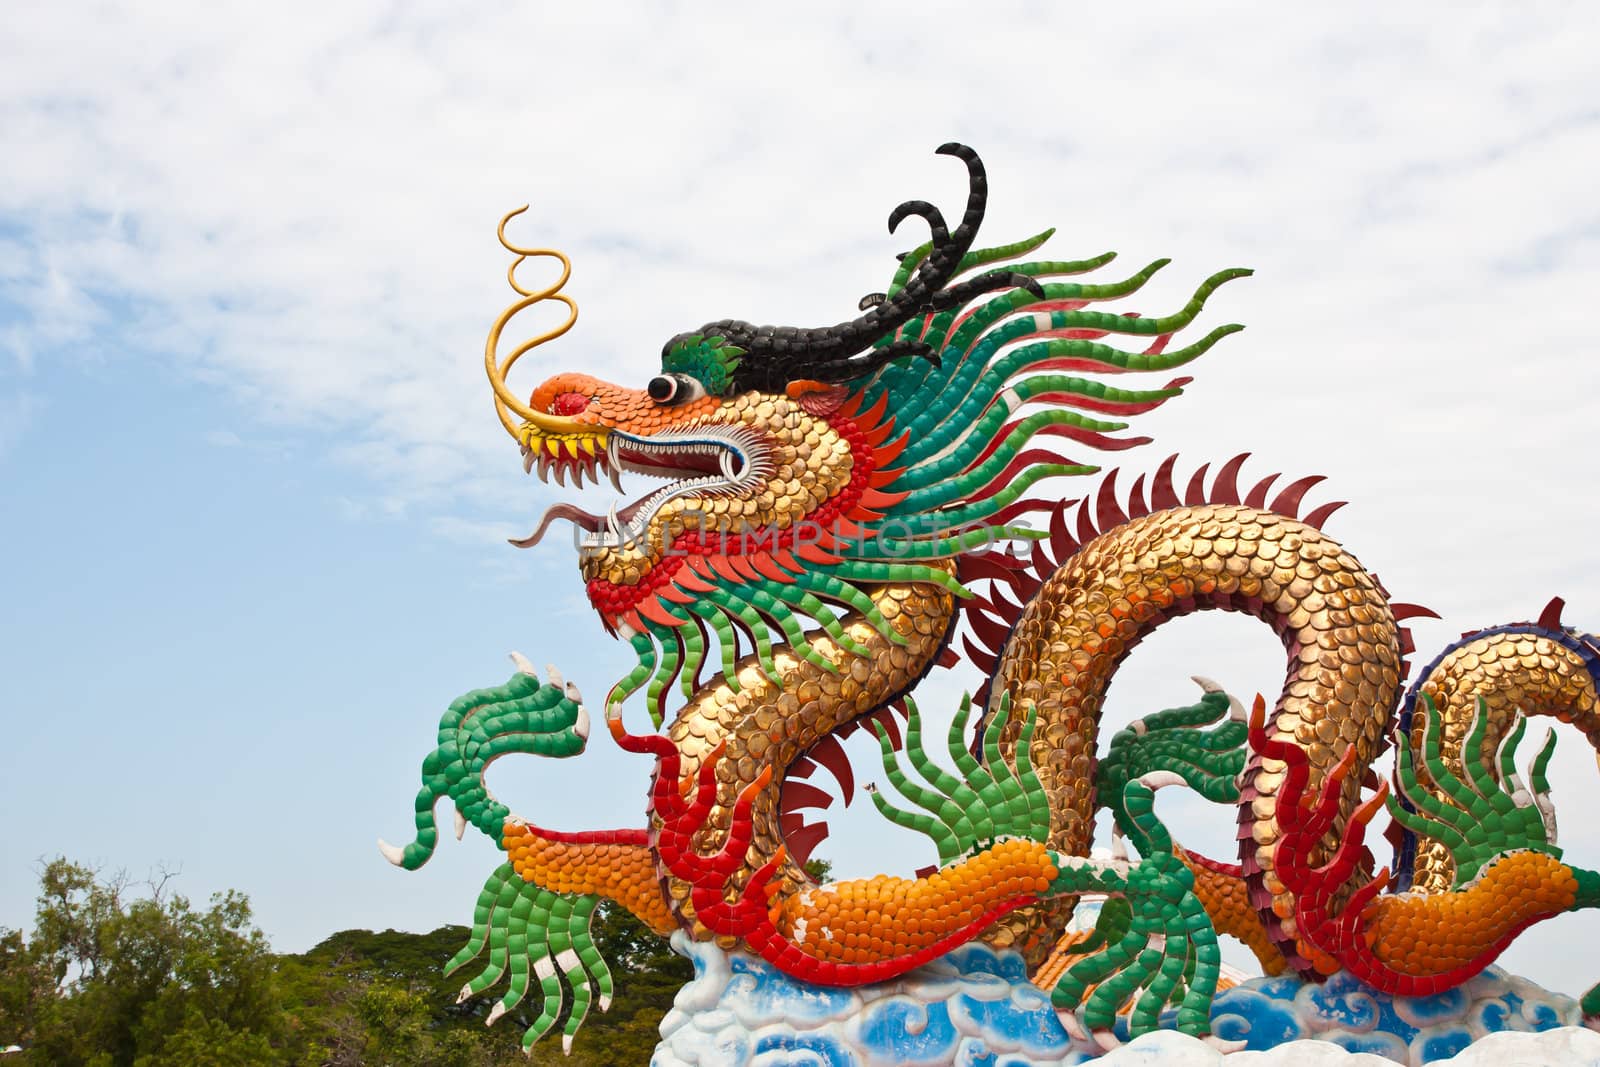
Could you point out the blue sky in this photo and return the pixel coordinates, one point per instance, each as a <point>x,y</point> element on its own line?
<point>253,498</point>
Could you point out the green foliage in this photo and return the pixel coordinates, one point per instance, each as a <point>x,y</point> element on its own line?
<point>113,975</point>
<point>148,980</point>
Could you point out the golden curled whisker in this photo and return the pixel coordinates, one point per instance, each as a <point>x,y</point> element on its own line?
<point>505,401</point>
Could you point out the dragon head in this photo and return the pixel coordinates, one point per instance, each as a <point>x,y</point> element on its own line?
<point>797,465</point>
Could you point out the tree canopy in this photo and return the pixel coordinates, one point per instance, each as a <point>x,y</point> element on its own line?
<point>122,974</point>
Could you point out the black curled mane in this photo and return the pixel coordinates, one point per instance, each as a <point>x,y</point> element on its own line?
<point>776,355</point>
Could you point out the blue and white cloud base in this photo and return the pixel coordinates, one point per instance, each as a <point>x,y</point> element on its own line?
<point>975,1008</point>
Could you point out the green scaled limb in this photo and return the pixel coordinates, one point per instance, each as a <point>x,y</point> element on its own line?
<point>987,801</point>
<point>535,935</point>
<point>1485,814</point>
<point>1154,945</point>
<point>524,715</point>
<point>1173,741</point>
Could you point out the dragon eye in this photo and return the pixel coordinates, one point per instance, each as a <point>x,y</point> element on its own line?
<point>672,389</point>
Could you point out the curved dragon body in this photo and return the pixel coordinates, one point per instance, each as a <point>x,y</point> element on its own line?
<point>831,502</point>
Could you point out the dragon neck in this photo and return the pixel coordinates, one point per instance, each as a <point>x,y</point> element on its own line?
<point>760,724</point>
<point>1335,624</point>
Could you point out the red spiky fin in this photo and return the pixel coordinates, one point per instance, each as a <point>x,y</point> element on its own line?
<point>1550,617</point>
<point>797,795</point>
<point>769,568</point>
<point>651,609</point>
<point>830,754</point>
<point>804,839</point>
<point>873,416</point>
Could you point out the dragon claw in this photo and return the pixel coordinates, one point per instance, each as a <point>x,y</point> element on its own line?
<point>1073,1025</point>
<point>523,666</point>
<point>393,853</point>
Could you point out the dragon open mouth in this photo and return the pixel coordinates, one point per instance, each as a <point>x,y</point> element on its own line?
<point>707,460</point>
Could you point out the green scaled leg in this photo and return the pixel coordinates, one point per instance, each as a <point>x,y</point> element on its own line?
<point>988,801</point>
<point>1173,741</point>
<point>1157,947</point>
<point>1154,945</point>
<point>524,715</point>
<point>1483,815</point>
<point>532,934</point>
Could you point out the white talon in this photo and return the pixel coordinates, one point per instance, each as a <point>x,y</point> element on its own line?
<point>1161,779</point>
<point>393,853</point>
<point>566,1044</point>
<point>495,1012</point>
<point>1119,847</point>
<point>1205,684</point>
<point>461,824</point>
<point>466,991</point>
<point>519,661</point>
<point>1139,726</point>
<point>555,676</point>
<point>571,690</point>
<point>1106,1039</point>
<point>1224,1045</point>
<point>605,1001</point>
<point>581,725</point>
<point>1074,1027</point>
<point>1236,710</point>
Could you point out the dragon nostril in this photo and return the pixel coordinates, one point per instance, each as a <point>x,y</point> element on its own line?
<point>569,404</point>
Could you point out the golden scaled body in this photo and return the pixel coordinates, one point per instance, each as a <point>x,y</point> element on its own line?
<point>1342,641</point>
<point>766,725</point>
<point>1343,676</point>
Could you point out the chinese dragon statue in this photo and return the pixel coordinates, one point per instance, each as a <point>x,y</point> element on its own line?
<point>840,509</point>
